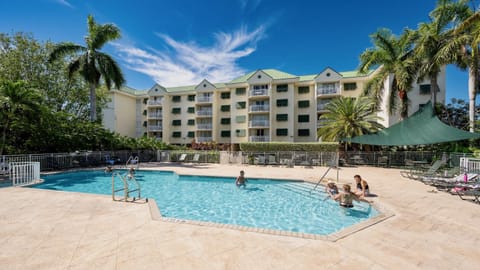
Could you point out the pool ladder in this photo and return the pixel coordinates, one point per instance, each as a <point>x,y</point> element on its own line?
<point>126,190</point>
<point>133,161</point>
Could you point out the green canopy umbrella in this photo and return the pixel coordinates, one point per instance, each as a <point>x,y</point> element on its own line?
<point>423,127</point>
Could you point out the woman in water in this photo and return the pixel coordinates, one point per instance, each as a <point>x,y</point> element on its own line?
<point>331,189</point>
<point>347,197</point>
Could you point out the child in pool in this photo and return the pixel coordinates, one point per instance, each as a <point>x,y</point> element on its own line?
<point>241,180</point>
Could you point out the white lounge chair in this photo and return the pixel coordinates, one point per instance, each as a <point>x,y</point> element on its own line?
<point>196,158</point>
<point>182,157</point>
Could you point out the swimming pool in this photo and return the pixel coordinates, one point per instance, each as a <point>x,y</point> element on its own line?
<point>269,204</point>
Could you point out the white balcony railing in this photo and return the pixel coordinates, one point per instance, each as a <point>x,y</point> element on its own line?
<point>259,108</point>
<point>259,138</point>
<point>321,106</point>
<point>259,123</point>
<point>204,99</point>
<point>155,115</point>
<point>204,112</point>
<point>155,128</point>
<point>258,92</point>
<point>203,139</point>
<point>157,102</point>
<point>328,90</point>
<point>204,126</point>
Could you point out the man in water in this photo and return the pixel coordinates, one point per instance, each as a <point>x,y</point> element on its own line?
<point>241,180</point>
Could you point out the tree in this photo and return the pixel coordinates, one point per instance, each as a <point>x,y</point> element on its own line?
<point>18,102</point>
<point>394,57</point>
<point>348,117</point>
<point>90,63</point>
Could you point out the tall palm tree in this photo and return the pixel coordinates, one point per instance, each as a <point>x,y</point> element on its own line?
<point>394,57</point>
<point>348,117</point>
<point>90,63</point>
<point>17,100</point>
<point>462,48</point>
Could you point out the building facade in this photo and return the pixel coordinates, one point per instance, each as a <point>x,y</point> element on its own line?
<point>262,106</point>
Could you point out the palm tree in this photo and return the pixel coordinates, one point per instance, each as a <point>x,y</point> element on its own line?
<point>394,57</point>
<point>16,100</point>
<point>348,117</point>
<point>90,63</point>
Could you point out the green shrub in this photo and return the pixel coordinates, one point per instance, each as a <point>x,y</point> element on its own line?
<point>285,146</point>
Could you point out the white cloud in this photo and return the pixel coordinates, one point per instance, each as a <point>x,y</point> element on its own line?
<point>187,63</point>
<point>252,4</point>
<point>64,2</point>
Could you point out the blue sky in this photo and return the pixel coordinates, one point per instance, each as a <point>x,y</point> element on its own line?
<point>181,42</point>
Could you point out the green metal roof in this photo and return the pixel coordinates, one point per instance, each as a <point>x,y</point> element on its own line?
<point>307,77</point>
<point>132,91</point>
<point>422,128</point>
<point>273,73</point>
<point>180,88</point>
<point>355,73</point>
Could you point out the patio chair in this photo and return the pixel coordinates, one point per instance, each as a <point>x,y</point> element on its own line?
<point>272,160</point>
<point>4,168</point>
<point>469,191</point>
<point>196,158</point>
<point>109,160</point>
<point>447,183</point>
<point>182,157</point>
<point>382,161</point>
<point>419,173</point>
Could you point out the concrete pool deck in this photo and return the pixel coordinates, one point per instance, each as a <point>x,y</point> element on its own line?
<point>42,229</point>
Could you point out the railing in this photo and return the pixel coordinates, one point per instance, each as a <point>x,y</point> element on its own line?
<point>203,139</point>
<point>155,115</point>
<point>24,173</point>
<point>204,112</point>
<point>155,102</point>
<point>259,123</point>
<point>204,126</point>
<point>321,106</point>
<point>204,99</point>
<point>259,138</point>
<point>259,108</point>
<point>471,165</point>
<point>258,92</point>
<point>328,91</point>
<point>155,128</point>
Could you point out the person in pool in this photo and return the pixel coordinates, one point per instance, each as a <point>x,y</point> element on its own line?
<point>331,189</point>
<point>347,197</point>
<point>241,180</point>
<point>108,169</point>
<point>362,186</point>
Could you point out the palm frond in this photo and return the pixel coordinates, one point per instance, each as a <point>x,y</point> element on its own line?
<point>110,71</point>
<point>63,49</point>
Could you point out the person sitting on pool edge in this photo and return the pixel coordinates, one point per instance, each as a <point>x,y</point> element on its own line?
<point>241,180</point>
<point>347,196</point>
<point>108,169</point>
<point>331,189</point>
<point>362,186</point>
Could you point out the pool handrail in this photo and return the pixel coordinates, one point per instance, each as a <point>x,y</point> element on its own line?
<point>126,191</point>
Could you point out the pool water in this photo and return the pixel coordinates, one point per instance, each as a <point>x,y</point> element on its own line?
<point>269,204</point>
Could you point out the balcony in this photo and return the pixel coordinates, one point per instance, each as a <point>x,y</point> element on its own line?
<point>321,106</point>
<point>328,90</point>
<point>157,102</point>
<point>258,123</point>
<point>259,108</point>
<point>259,138</point>
<point>203,139</point>
<point>155,115</point>
<point>155,128</point>
<point>204,99</point>
<point>204,113</point>
<point>258,93</point>
<point>201,126</point>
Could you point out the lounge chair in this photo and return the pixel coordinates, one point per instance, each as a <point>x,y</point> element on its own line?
<point>196,158</point>
<point>109,160</point>
<point>182,157</point>
<point>272,160</point>
<point>469,191</point>
<point>420,173</point>
<point>450,182</point>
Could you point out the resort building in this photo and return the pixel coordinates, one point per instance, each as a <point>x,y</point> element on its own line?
<point>266,105</point>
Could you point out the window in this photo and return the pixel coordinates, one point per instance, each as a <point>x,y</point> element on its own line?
<point>145,100</point>
<point>240,119</point>
<point>144,112</point>
<point>176,110</point>
<point>176,134</point>
<point>191,122</point>
<point>260,87</point>
<point>191,97</point>
<point>191,110</point>
<point>282,132</point>
<point>225,121</point>
<point>225,133</point>
<point>425,89</point>
<point>225,95</point>
<point>304,118</point>
<point>241,105</point>
<point>144,123</point>
<point>282,102</point>
<point>240,91</point>
<point>303,132</point>
<point>225,108</point>
<point>176,98</point>
<point>350,86</point>
<point>177,122</point>
<point>241,132</point>
<point>303,89</point>
<point>282,88</point>
<point>304,103</point>
<point>282,117</point>
<point>191,134</point>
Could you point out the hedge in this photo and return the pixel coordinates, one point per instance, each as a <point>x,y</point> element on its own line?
<point>284,146</point>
